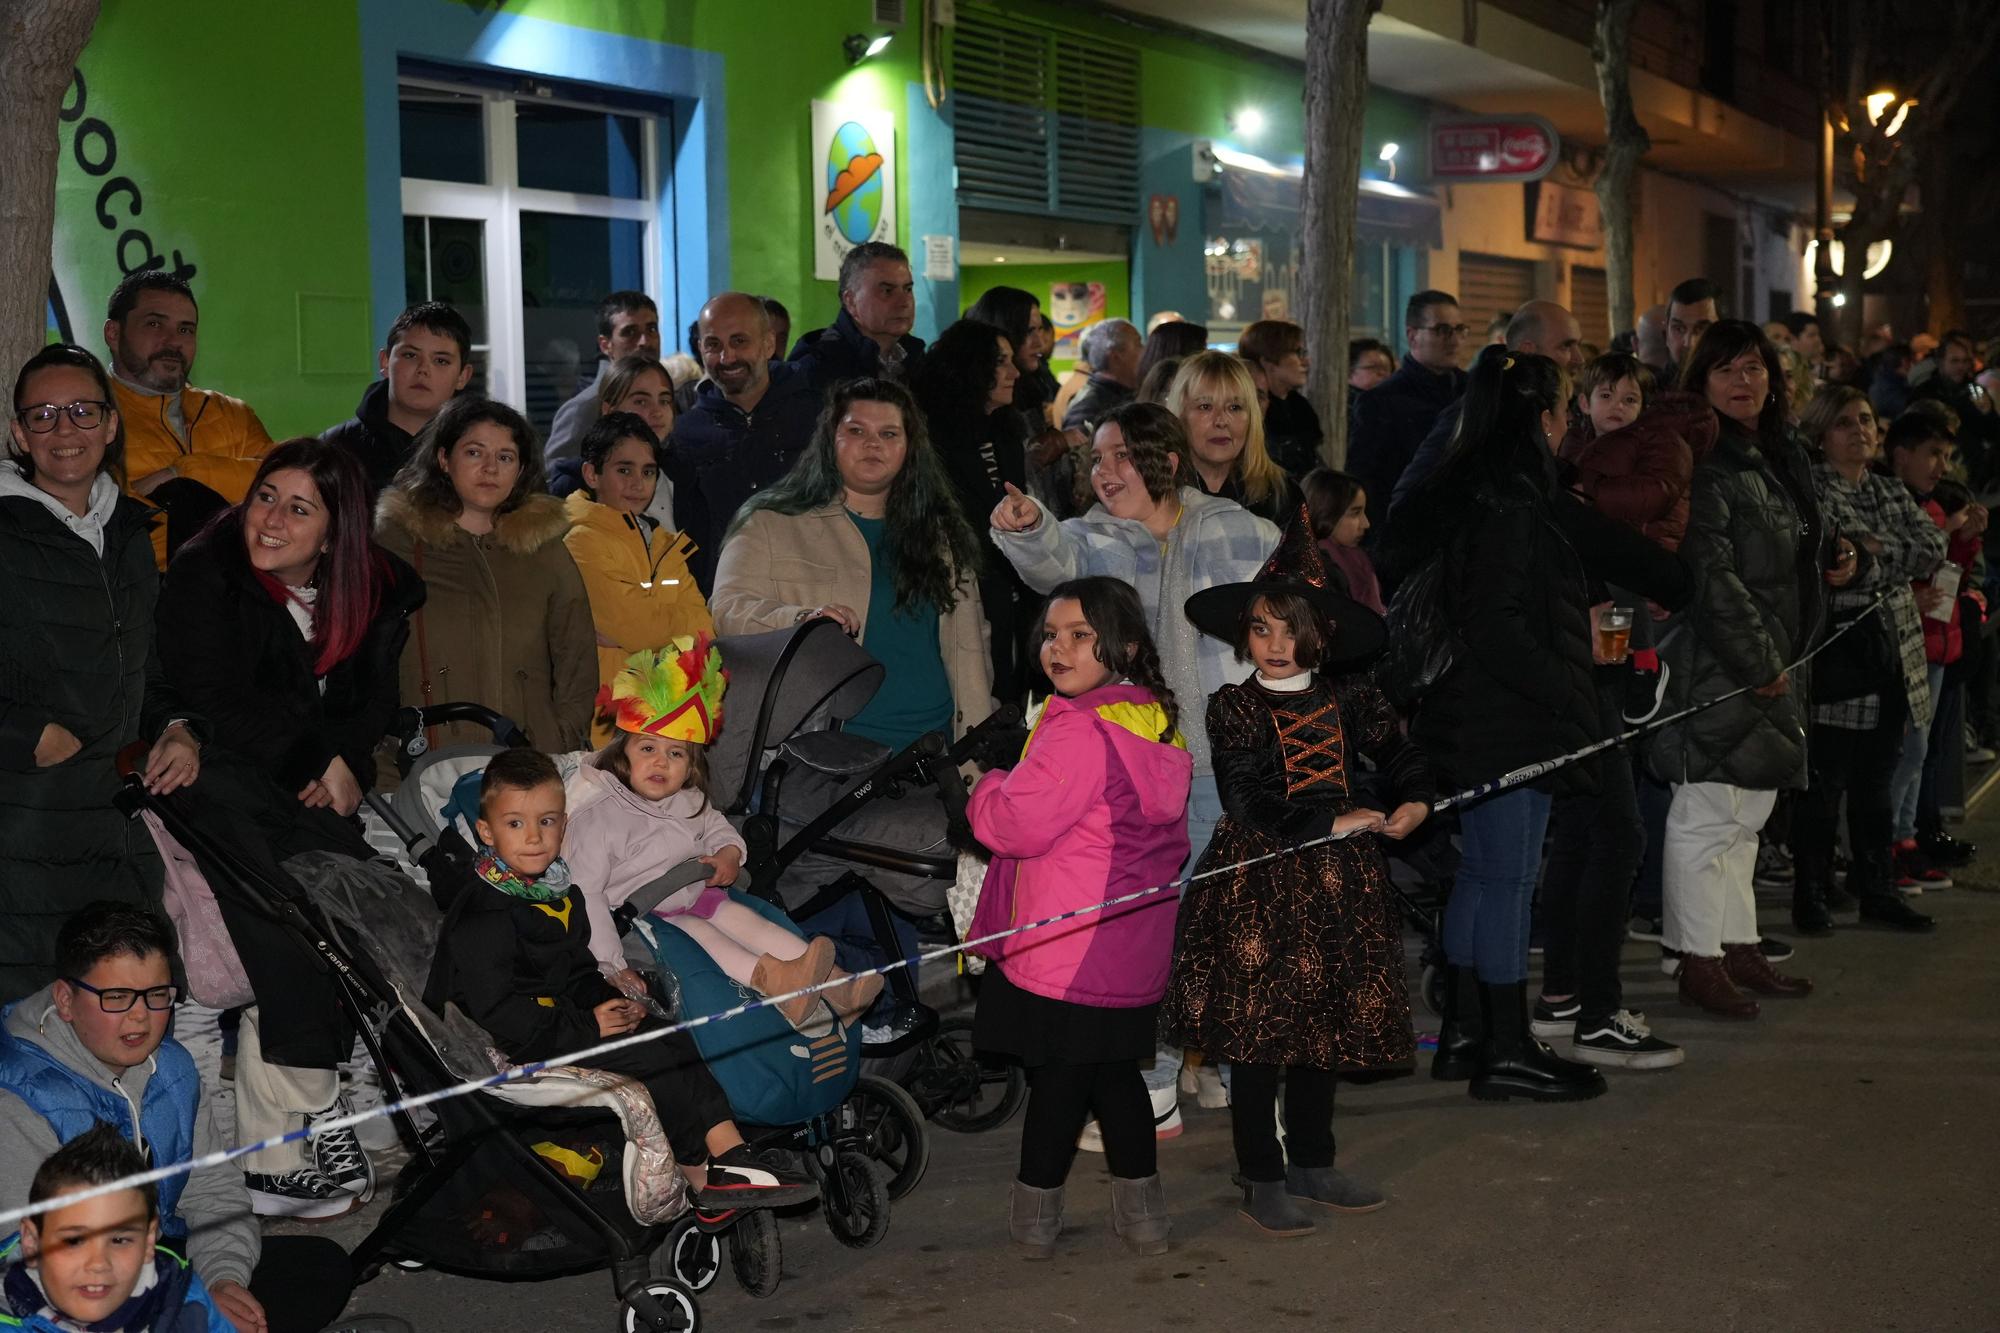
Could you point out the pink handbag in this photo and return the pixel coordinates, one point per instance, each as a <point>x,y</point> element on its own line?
<point>214,972</point>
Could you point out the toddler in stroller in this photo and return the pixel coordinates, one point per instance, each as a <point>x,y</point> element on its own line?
<point>642,805</point>
<point>502,947</point>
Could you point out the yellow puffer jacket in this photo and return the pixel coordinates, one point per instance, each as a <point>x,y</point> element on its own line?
<point>641,593</point>
<point>225,444</point>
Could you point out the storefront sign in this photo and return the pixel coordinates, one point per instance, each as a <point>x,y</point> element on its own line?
<point>1564,215</point>
<point>1474,151</point>
<point>854,183</point>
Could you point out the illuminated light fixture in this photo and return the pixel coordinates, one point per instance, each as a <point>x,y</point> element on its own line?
<point>1879,254</point>
<point>1878,104</point>
<point>1248,122</point>
<point>860,46</point>
<point>1839,299</point>
<point>1388,156</point>
<point>999,259</point>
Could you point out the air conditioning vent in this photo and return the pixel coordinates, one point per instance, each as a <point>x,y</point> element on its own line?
<point>889,12</point>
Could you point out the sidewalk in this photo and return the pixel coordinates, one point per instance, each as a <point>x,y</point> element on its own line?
<point>1830,1166</point>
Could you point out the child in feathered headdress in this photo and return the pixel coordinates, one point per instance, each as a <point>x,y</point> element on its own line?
<point>641,806</point>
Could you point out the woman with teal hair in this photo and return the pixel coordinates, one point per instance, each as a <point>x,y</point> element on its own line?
<point>865,529</point>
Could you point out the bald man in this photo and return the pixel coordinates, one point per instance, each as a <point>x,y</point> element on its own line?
<point>751,417</point>
<point>1539,328</point>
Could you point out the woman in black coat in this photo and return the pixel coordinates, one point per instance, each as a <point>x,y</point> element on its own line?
<point>966,389</point>
<point>287,621</point>
<point>1519,690</point>
<point>79,680</point>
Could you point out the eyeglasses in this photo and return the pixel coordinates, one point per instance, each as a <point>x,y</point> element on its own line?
<point>119,999</point>
<point>40,419</point>
<point>1446,330</point>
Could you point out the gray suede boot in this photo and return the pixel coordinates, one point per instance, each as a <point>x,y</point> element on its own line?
<point>1034,1219</point>
<point>1333,1189</point>
<point>1272,1211</point>
<point>1139,1213</point>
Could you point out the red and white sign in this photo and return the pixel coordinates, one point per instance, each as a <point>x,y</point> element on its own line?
<point>1510,148</point>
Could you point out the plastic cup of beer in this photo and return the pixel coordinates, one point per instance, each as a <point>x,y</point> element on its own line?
<point>1614,634</point>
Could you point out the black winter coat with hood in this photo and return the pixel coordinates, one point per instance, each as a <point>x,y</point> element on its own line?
<point>1756,546</point>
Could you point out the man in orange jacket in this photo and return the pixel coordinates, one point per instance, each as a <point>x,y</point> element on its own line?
<point>188,451</point>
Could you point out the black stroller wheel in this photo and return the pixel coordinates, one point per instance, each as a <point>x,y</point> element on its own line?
<point>965,1094</point>
<point>678,1311</point>
<point>1433,989</point>
<point>693,1258</point>
<point>861,1219</point>
<point>887,1125</point>
<point>756,1255</point>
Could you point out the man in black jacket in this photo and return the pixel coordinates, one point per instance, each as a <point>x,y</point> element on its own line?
<point>1391,419</point>
<point>750,419</point>
<point>871,336</point>
<point>1111,348</point>
<point>425,362</point>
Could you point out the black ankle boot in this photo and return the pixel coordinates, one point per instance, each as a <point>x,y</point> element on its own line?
<point>1809,911</point>
<point>1459,1027</point>
<point>1513,1064</point>
<point>1889,909</point>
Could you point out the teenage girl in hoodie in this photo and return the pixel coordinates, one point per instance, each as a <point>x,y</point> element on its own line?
<point>1096,808</point>
<point>640,806</point>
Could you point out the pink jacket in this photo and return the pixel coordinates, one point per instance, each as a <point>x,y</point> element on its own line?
<point>618,841</point>
<point>1097,807</point>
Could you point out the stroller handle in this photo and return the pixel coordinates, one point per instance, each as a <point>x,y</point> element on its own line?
<point>409,725</point>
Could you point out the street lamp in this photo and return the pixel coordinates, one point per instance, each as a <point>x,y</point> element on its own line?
<point>1388,156</point>
<point>1878,104</point>
<point>859,46</point>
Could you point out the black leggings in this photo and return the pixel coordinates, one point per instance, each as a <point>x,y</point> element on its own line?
<point>1063,1096</point>
<point>1253,1110</point>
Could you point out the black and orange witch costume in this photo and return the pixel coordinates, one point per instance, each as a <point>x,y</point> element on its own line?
<point>1295,964</point>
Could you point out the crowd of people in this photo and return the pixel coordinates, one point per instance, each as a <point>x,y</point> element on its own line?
<point>1240,648</point>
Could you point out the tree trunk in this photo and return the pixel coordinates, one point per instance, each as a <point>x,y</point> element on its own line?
<point>1336,96</point>
<point>1625,142</point>
<point>40,41</point>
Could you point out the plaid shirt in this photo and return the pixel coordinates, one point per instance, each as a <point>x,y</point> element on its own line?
<point>1880,508</point>
<point>1216,541</point>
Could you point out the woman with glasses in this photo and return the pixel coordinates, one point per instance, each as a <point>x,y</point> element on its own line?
<point>79,680</point>
<point>1761,556</point>
<point>1292,432</point>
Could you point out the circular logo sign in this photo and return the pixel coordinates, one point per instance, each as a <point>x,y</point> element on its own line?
<point>854,183</point>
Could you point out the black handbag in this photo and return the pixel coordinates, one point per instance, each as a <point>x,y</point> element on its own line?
<point>1423,643</point>
<point>1863,660</point>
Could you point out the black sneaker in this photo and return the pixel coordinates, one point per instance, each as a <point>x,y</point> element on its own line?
<point>303,1194</point>
<point>1647,928</point>
<point>745,1178</point>
<point>1775,950</point>
<point>1774,867</point>
<point>1556,1020</point>
<point>1623,1041</point>
<point>338,1154</point>
<point>1941,849</point>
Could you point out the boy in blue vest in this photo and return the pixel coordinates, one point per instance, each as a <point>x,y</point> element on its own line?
<point>98,1264</point>
<point>92,1046</point>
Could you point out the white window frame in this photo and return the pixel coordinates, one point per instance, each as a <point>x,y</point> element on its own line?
<point>499,203</point>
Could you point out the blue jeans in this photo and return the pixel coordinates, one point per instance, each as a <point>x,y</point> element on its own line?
<point>1903,789</point>
<point>1204,812</point>
<point>1486,921</point>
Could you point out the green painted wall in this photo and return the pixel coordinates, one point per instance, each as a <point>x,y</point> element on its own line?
<point>243,137</point>
<point>974,280</point>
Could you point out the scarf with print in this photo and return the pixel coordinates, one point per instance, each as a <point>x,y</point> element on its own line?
<point>552,885</point>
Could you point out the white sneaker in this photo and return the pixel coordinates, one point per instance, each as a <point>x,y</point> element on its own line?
<point>1167,1123</point>
<point>1209,1094</point>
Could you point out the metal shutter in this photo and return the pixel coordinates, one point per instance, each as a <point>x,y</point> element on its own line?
<point>1488,286</point>
<point>1590,302</point>
<point>1045,122</point>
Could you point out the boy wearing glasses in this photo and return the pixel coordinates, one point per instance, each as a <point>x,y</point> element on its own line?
<point>93,1046</point>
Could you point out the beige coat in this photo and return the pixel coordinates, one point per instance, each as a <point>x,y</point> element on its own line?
<point>779,566</point>
<point>506,623</point>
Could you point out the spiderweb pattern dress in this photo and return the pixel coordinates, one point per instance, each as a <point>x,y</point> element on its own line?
<point>1297,960</point>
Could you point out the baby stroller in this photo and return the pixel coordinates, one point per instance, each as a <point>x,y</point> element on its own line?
<point>861,1137</point>
<point>522,1180</point>
<point>860,844</point>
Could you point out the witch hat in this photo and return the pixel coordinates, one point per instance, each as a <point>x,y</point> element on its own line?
<point>1355,633</point>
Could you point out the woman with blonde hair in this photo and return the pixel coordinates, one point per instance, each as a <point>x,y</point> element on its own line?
<point>1216,400</point>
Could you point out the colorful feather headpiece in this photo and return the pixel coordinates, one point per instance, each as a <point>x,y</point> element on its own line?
<point>675,691</point>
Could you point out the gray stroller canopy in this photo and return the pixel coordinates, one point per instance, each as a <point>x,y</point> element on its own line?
<point>778,681</point>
